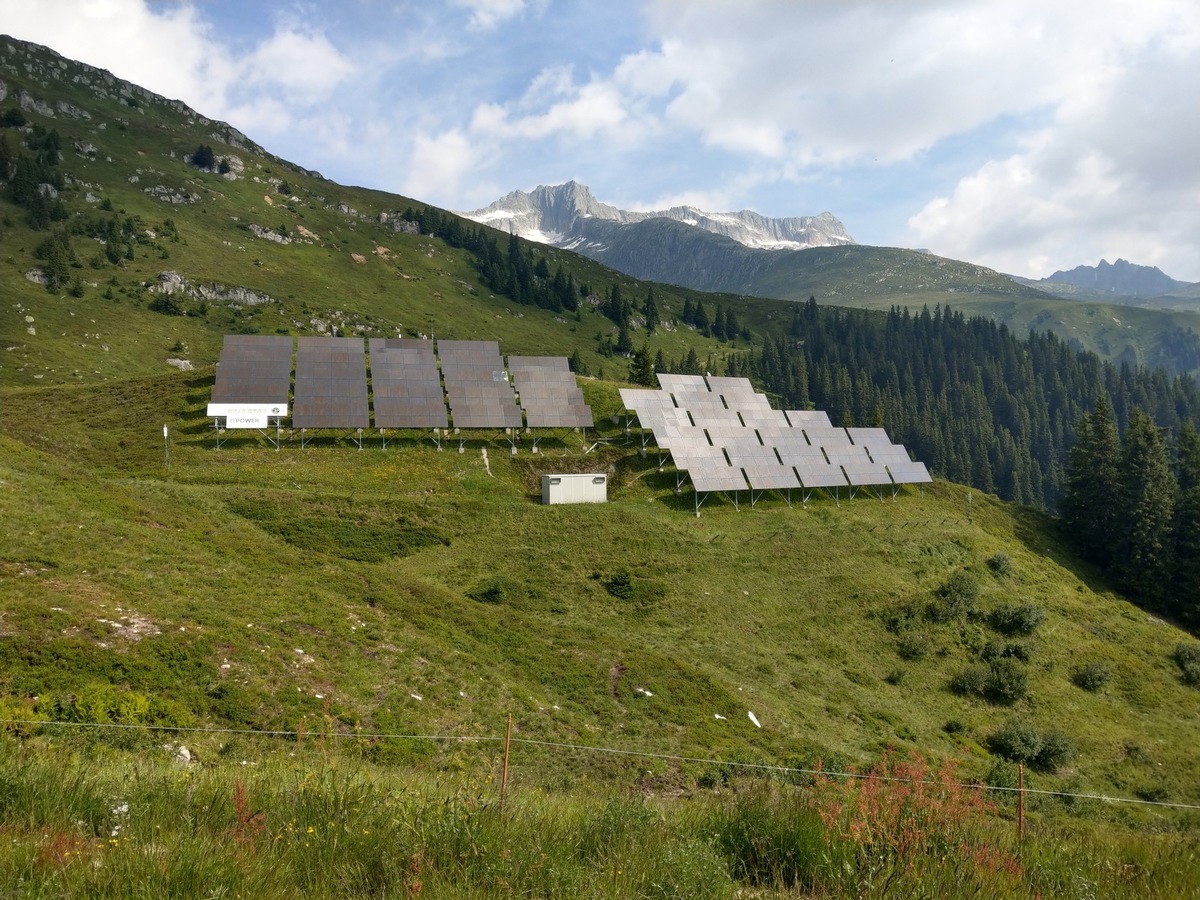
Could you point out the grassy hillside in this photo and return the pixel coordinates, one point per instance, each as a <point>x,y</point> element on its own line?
<point>405,593</point>
<point>412,573</point>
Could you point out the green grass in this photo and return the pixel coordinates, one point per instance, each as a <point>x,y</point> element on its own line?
<point>409,591</point>
<point>82,819</point>
<point>195,587</point>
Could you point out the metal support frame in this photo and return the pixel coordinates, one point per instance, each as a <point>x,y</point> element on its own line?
<point>218,429</point>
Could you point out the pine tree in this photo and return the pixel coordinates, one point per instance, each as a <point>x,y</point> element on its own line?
<point>1185,582</point>
<point>650,310</point>
<point>1143,558</point>
<point>641,369</point>
<point>1089,505</point>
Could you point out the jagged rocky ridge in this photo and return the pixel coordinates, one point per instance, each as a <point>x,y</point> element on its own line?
<point>565,215</point>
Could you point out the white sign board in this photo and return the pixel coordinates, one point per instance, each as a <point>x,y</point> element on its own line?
<point>247,415</point>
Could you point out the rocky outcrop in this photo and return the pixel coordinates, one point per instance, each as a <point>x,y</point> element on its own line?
<point>267,234</point>
<point>170,282</point>
<point>171,195</point>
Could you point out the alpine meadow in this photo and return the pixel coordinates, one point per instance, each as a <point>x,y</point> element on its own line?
<point>364,663</point>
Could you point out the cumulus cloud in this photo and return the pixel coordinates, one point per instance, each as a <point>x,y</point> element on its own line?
<point>1113,175</point>
<point>179,56</point>
<point>438,164</point>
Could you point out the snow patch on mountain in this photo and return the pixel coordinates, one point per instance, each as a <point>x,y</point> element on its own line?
<point>559,215</point>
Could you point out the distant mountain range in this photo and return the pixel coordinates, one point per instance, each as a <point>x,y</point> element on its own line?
<point>1121,282</point>
<point>569,216</point>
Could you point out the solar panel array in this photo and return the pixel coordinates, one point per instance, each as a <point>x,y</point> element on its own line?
<point>548,392</point>
<point>331,384</point>
<point>727,438</point>
<point>477,386</point>
<point>406,385</point>
<point>254,369</point>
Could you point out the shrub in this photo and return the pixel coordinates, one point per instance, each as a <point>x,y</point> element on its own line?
<point>956,598</point>
<point>993,650</point>
<point>492,591</point>
<point>1016,741</point>
<point>1001,565</point>
<point>954,726</point>
<point>1057,750</point>
<point>971,680</point>
<point>1092,677</point>
<point>1008,681</point>
<point>1187,657</point>
<point>620,584</point>
<point>1011,618</point>
<point>1002,774</point>
<point>896,676</point>
<point>912,647</point>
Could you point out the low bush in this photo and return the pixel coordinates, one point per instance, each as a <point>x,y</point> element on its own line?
<point>973,680</point>
<point>956,598</point>
<point>1009,681</point>
<point>1014,618</point>
<point>1006,649</point>
<point>912,647</point>
<point>1001,565</point>
<point>1187,657</point>
<point>1018,741</point>
<point>1057,751</point>
<point>1091,677</point>
<point>1002,681</point>
<point>620,584</point>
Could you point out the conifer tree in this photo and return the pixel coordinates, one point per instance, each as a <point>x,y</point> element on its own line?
<point>1186,527</point>
<point>650,310</point>
<point>1089,505</point>
<point>641,369</point>
<point>1144,554</point>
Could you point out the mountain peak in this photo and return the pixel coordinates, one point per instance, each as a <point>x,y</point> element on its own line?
<point>1122,277</point>
<point>559,215</point>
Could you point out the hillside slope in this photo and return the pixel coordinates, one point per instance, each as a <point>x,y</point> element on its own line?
<point>415,591</point>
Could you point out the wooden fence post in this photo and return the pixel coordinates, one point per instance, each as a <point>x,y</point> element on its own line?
<point>1020,803</point>
<point>504,775</point>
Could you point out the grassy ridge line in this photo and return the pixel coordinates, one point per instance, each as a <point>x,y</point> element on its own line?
<point>377,564</point>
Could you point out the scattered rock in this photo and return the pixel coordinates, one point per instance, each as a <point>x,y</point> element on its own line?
<point>268,235</point>
<point>182,365</point>
<point>171,195</point>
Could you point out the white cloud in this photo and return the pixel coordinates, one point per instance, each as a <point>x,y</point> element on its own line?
<point>438,164</point>
<point>1113,175</point>
<point>488,14</point>
<point>306,65</point>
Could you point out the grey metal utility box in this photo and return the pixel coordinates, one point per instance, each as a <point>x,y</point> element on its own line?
<point>585,488</point>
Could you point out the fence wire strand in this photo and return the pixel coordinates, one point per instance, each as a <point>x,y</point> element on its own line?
<point>613,751</point>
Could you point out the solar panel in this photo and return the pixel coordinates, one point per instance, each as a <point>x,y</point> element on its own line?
<point>801,418</point>
<point>331,384</point>
<point>405,384</point>
<point>549,393</point>
<point>479,392</point>
<point>717,478</point>
<point>254,369</point>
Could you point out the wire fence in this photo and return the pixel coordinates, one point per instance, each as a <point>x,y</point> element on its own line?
<point>585,748</point>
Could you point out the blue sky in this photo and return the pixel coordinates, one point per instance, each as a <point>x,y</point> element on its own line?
<point>1025,135</point>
